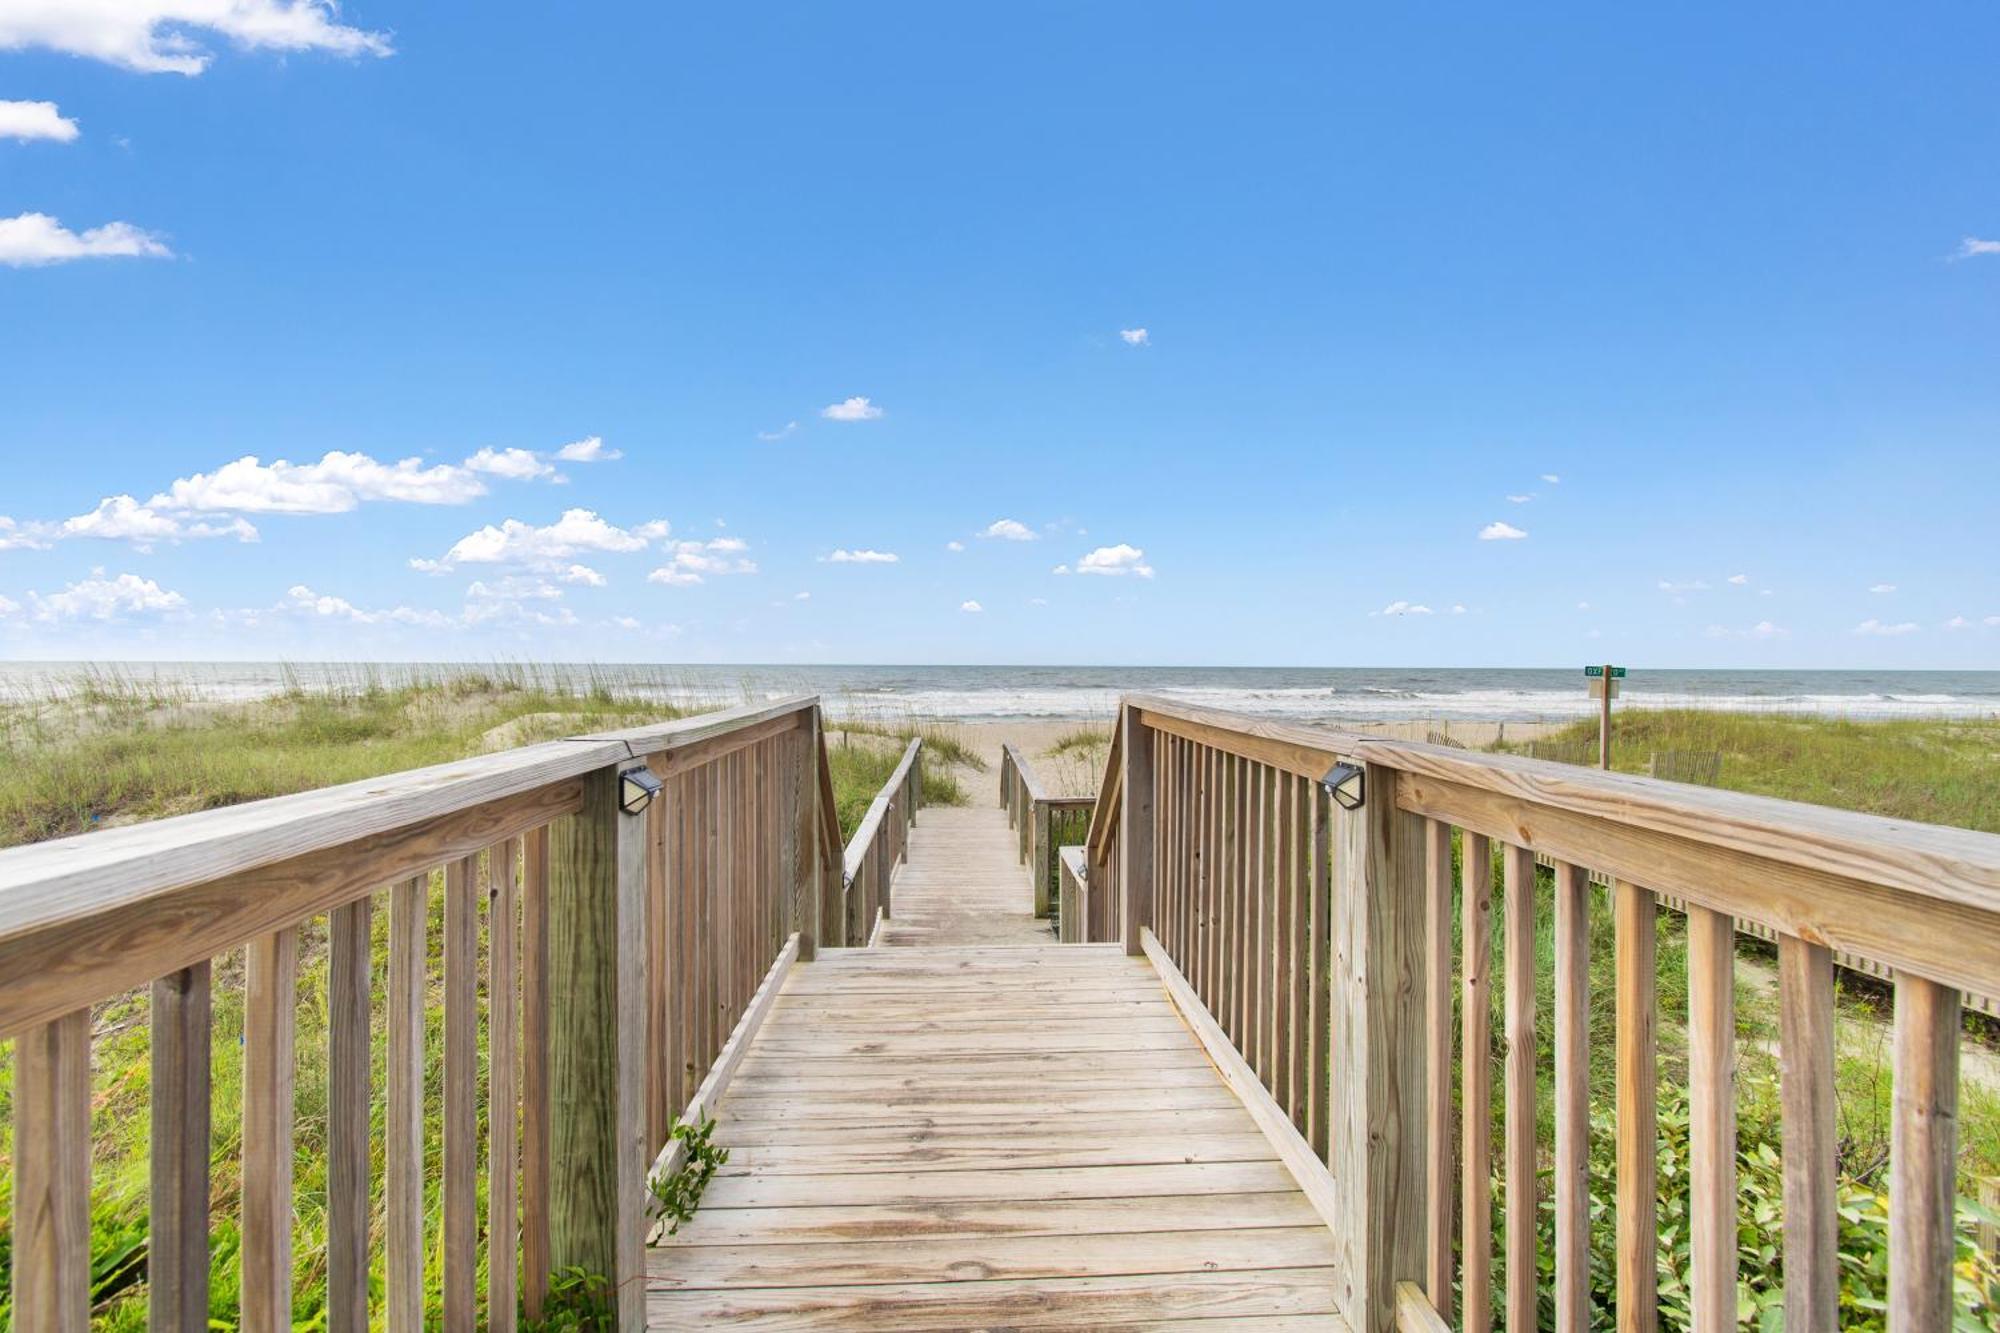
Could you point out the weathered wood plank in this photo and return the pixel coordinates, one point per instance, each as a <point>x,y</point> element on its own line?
<point>1923,1156</point>
<point>349,981</point>
<point>177,1259</point>
<point>1711,1034</point>
<point>459,1184</point>
<point>1572,1178</point>
<point>1812,1183</point>
<point>270,1002</point>
<point>51,1288</point>
<point>1476,1094</point>
<point>403,1149</point>
<point>1522,1297</point>
<point>503,1153</point>
<point>1636,1055</point>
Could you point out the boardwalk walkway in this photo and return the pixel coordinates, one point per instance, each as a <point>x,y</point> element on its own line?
<point>987,1129</point>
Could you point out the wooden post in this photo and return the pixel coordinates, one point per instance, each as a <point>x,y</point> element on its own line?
<point>597,1024</point>
<point>1043,858</point>
<point>52,1175</point>
<point>1377,1112</point>
<point>1604,722</point>
<point>1135,840</point>
<point>177,1253</point>
<point>805,842</point>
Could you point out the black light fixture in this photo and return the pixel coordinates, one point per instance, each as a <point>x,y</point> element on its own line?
<point>1346,785</point>
<point>636,789</point>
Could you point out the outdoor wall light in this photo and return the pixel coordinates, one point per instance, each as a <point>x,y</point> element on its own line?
<point>636,789</point>
<point>1345,784</point>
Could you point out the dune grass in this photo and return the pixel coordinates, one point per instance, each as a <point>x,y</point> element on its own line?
<point>101,750</point>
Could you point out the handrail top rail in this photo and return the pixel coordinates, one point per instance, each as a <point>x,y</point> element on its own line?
<point>1025,771</point>
<point>871,823</point>
<point>1931,860</point>
<point>47,883</point>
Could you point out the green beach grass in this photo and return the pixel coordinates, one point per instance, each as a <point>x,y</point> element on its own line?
<point>101,751</point>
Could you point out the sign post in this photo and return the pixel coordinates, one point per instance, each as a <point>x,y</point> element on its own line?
<point>1604,685</point>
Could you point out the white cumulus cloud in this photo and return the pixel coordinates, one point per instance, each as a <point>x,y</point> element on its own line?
<point>1006,529</point>
<point>1881,629</point>
<point>1116,560</point>
<point>1972,247</point>
<point>1135,337</point>
<point>518,543</point>
<point>590,449</point>
<point>954,546</point>
<point>1497,531</point>
<point>689,562</point>
<point>101,598</point>
<point>1403,608</point>
<point>1739,579</point>
<point>35,120</point>
<point>338,482</point>
<point>160,36</point>
<point>121,518</point>
<point>33,240</point>
<point>970,606</point>
<point>864,556</point>
<point>583,575</point>
<point>851,409</point>
<point>513,464</point>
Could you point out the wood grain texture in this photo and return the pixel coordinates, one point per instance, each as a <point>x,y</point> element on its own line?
<point>1636,927</point>
<point>1135,870</point>
<point>535,1090</point>
<point>1519,1008</point>
<point>1711,1035</point>
<point>51,1287</point>
<point>1438,1180</point>
<point>459,1183</point>
<point>1923,1156</point>
<point>1812,1183</point>
<point>403,1146</point>
<point>503,1098</point>
<point>177,1240</point>
<point>270,1001</point>
<point>1476,1074</point>
<point>349,981</point>
<point>1376,1124</point>
<point>1572,1176</point>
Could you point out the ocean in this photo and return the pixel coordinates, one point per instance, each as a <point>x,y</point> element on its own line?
<point>1347,695</point>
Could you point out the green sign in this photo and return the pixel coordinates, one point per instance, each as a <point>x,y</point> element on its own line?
<point>1617,673</point>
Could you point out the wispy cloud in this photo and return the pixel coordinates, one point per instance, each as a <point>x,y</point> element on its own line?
<point>1116,561</point>
<point>513,464</point>
<point>970,606</point>
<point>1739,579</point>
<point>1882,587</point>
<point>1498,531</point>
<point>692,562</point>
<point>1403,608</point>
<point>1958,622</point>
<point>1135,337</point>
<point>25,121</point>
<point>780,433</point>
<point>1876,628</point>
<point>1520,499</point>
<point>954,545</point>
<point>1552,479</point>
<point>1006,529</point>
<point>1972,247</point>
<point>36,240</point>
<point>158,36</point>
<point>864,556</point>
<point>1683,585</point>
<point>589,449</point>
<point>851,409</point>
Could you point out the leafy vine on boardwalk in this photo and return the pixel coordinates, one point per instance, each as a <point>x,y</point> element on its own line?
<point>677,1194</point>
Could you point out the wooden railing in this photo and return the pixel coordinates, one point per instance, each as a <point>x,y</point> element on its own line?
<point>880,843</point>
<point>620,950</point>
<point>1319,940</point>
<point>1077,912</point>
<point>1042,822</point>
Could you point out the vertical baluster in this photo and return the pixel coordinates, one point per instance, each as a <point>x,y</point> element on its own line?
<point>1285,892</point>
<point>1572,1183</point>
<point>177,1246</point>
<point>659,1048</point>
<point>1923,1155</point>
<point>52,1175</point>
<point>502,1097</point>
<point>1232,898</point>
<point>1299,942</point>
<point>535,1070</point>
<point>1437,1064</point>
<point>1267,923</point>
<point>1522,1178</point>
<point>1812,1192</point>
<point>1638,1111</point>
<point>460,1184</point>
<point>403,1150</point>
<point>349,981</point>
<point>1319,874</point>
<point>269,1069</point>
<point>1711,946</point>
<point>1135,874</point>
<point>1217,885</point>
<point>1476,1074</point>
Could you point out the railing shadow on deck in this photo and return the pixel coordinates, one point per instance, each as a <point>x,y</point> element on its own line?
<point>1318,941</point>
<point>622,951</point>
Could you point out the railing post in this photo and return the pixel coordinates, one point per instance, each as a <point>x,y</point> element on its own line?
<point>806,861</point>
<point>1376,1122</point>
<point>1135,840</point>
<point>1040,859</point>
<point>597,903</point>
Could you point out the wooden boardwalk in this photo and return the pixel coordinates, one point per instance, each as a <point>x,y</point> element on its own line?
<point>988,1130</point>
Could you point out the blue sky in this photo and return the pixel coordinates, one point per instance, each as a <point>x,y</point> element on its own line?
<point>1716,293</point>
